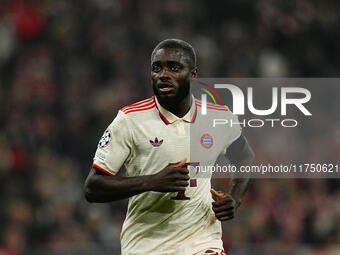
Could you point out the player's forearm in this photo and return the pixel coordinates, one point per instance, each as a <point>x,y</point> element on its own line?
<point>239,186</point>
<point>102,188</point>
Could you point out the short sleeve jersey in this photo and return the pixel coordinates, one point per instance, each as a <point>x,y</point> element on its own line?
<point>145,138</point>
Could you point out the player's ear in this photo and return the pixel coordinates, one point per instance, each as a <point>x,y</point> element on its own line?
<point>194,72</point>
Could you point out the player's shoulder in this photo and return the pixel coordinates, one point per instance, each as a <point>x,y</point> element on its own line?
<point>139,107</point>
<point>213,107</point>
<point>217,110</point>
<point>128,115</point>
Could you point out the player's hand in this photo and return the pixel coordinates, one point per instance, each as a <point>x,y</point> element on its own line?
<point>224,205</point>
<point>173,178</point>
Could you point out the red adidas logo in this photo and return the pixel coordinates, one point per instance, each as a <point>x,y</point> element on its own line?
<point>156,143</point>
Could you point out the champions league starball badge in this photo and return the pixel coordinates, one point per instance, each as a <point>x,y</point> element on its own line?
<point>105,140</point>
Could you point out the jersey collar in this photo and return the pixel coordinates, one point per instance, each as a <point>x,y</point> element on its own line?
<point>169,118</point>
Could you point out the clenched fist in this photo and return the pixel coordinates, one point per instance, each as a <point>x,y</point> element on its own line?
<point>224,205</point>
<point>173,178</point>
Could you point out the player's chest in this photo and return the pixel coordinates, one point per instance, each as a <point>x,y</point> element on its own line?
<point>157,138</point>
<point>177,140</point>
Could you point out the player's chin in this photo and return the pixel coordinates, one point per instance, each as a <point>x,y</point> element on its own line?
<point>167,96</point>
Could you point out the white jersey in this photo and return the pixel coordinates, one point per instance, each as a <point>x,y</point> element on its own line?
<point>145,137</point>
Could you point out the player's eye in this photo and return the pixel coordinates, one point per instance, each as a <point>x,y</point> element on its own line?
<point>156,69</point>
<point>174,68</point>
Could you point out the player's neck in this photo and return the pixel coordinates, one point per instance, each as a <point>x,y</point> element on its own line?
<point>178,108</point>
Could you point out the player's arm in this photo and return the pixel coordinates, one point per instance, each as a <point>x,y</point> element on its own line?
<point>100,187</point>
<point>239,154</point>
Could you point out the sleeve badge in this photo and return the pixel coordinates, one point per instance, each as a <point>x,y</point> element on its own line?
<point>105,140</point>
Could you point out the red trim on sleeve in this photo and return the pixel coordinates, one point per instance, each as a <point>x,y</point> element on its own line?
<point>137,104</point>
<point>137,107</point>
<point>140,109</point>
<point>102,169</point>
<point>211,104</point>
<point>213,108</point>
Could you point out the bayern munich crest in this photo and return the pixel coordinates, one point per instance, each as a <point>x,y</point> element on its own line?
<point>207,141</point>
<point>105,140</point>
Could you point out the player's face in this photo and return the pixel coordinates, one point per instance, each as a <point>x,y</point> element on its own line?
<point>171,71</point>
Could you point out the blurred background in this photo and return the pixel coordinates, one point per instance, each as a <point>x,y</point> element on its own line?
<point>67,66</point>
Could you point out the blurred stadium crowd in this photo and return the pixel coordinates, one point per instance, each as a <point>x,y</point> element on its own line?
<point>66,67</point>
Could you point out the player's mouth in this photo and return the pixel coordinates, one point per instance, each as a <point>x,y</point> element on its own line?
<point>165,87</point>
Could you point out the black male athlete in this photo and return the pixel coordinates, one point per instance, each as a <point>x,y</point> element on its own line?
<point>169,211</point>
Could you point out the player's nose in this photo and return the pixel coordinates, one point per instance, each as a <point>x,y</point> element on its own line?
<point>164,74</point>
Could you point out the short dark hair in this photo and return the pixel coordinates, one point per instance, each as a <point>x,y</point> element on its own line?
<point>174,44</point>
